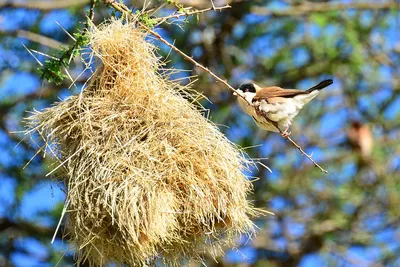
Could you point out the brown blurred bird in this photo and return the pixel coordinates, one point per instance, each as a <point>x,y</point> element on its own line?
<point>278,104</point>
<point>361,139</point>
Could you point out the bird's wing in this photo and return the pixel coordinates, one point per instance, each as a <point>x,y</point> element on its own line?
<point>275,94</point>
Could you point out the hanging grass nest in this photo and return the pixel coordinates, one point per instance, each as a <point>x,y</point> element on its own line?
<point>148,177</point>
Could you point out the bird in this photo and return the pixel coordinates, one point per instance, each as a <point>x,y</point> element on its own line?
<point>279,105</point>
<point>361,139</point>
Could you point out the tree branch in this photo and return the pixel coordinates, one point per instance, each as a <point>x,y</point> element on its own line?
<point>34,37</point>
<point>316,7</point>
<point>262,113</point>
<point>44,5</point>
<point>27,227</point>
<point>190,13</point>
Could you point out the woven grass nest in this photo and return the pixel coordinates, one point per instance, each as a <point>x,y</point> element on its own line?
<point>149,179</point>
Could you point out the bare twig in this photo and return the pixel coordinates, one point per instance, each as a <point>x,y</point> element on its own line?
<point>90,15</point>
<point>212,3</point>
<point>194,62</point>
<point>189,13</point>
<point>260,112</point>
<point>305,154</point>
<point>34,37</point>
<point>313,7</point>
<point>124,9</point>
<point>44,5</point>
<point>91,10</point>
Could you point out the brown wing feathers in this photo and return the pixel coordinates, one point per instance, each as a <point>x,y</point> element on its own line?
<point>274,91</point>
<point>268,93</point>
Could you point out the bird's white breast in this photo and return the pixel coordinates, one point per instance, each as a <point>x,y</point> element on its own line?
<point>245,105</point>
<point>250,110</point>
<point>285,111</point>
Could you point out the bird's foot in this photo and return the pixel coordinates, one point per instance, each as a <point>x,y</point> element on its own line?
<point>286,132</point>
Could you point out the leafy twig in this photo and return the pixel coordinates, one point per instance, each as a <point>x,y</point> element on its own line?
<point>51,69</point>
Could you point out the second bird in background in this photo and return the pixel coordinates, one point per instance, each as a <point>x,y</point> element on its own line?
<point>278,104</point>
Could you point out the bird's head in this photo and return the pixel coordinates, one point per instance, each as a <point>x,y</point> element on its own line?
<point>248,88</point>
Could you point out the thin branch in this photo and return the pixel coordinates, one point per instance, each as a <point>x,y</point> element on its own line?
<point>212,3</point>
<point>262,113</point>
<point>25,227</point>
<point>40,39</point>
<point>305,154</point>
<point>315,7</point>
<point>44,5</point>
<point>34,37</point>
<point>125,10</point>
<point>194,62</point>
<point>189,13</point>
<point>91,11</point>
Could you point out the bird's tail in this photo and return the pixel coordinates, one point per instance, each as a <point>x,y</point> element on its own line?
<point>320,86</point>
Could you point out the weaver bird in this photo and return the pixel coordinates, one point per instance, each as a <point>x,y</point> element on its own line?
<point>279,105</point>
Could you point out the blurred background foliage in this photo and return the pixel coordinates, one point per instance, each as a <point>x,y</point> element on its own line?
<point>350,217</point>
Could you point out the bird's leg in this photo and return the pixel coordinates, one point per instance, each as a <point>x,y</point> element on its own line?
<point>286,132</point>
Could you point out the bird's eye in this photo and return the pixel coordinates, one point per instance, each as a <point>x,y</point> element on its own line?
<point>246,90</point>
